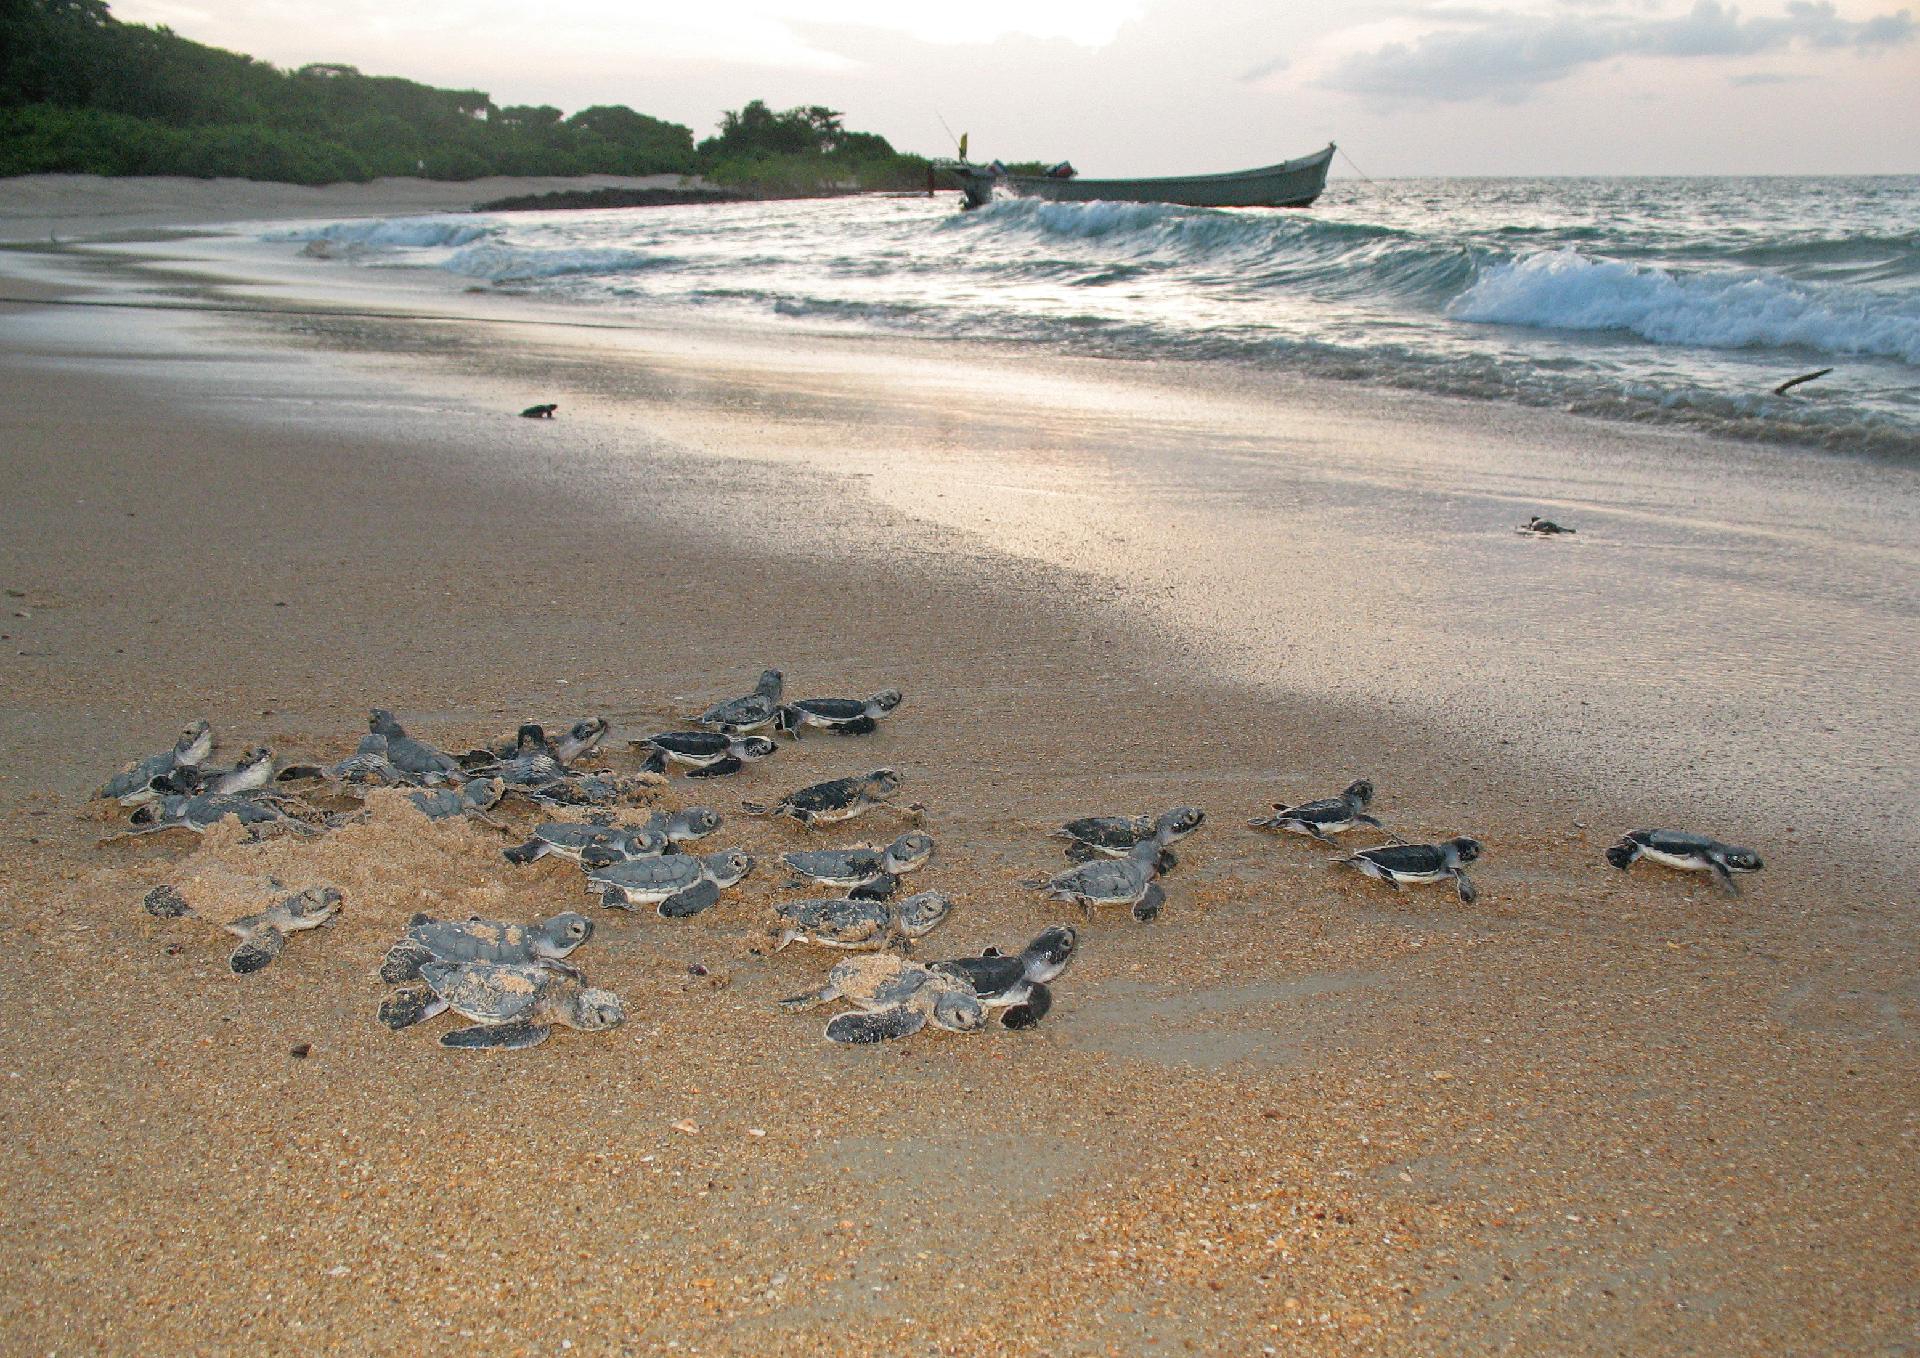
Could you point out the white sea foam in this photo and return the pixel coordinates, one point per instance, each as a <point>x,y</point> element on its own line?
<point>395,233</point>
<point>1566,290</point>
<point>499,261</point>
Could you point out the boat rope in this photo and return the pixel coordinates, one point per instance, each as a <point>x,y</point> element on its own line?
<point>1356,169</point>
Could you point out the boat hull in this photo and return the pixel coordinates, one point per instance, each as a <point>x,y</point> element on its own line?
<point>1292,183</point>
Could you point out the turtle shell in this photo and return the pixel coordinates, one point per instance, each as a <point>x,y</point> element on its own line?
<point>670,874</point>
<point>838,921</point>
<point>493,992</point>
<point>693,744</point>
<point>838,865</point>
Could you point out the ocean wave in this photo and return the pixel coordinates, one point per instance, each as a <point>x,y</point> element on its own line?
<point>394,233</point>
<point>1565,290</point>
<point>503,263</point>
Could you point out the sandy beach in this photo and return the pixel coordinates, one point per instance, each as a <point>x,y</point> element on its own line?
<point>1591,1113</point>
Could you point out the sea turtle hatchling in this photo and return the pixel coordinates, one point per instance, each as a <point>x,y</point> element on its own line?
<point>134,783</point>
<point>481,940</point>
<point>1688,852</point>
<point>893,998</point>
<point>578,840</point>
<point>474,798</point>
<point>416,759</point>
<point>862,867</point>
<point>678,885</point>
<point>758,709</point>
<point>859,925</point>
<point>1112,881</point>
<point>251,772</point>
<point>513,1005</point>
<point>1324,819</point>
<point>1398,864</point>
<point>845,716</point>
<point>1537,527</point>
<point>1115,836</point>
<point>837,799</point>
<point>200,814</point>
<point>1017,985</point>
<point>706,754</point>
<point>263,937</point>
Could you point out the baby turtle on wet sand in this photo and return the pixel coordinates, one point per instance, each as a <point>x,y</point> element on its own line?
<point>859,925</point>
<point>134,783</point>
<point>1398,864</point>
<point>707,754</point>
<point>1324,819</point>
<point>263,937</point>
<point>514,1005</point>
<point>1537,527</point>
<point>1115,836</point>
<point>839,799</point>
<point>845,716</point>
<point>862,867</point>
<point>1017,985</point>
<point>1687,852</point>
<point>543,411</point>
<point>679,885</point>
<point>893,998</point>
<point>738,716</point>
<point>1112,881</point>
<point>481,940</point>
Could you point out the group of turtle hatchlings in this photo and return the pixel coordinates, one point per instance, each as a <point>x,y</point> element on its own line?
<point>514,982</point>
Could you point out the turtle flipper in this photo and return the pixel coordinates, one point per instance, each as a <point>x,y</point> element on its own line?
<point>515,1036</point>
<point>655,762</point>
<point>1022,1016</point>
<point>826,994</point>
<point>881,888</point>
<point>1310,829</point>
<point>257,951</point>
<point>719,768</point>
<point>859,726</point>
<point>404,1008</point>
<point>523,854</point>
<point>1079,851</point>
<point>862,1028</point>
<point>1166,861</point>
<point>686,904</point>
<point>1463,884</point>
<point>1621,855</point>
<point>1148,906</point>
<point>1724,876</point>
<point>1362,818</point>
<point>165,902</point>
<point>403,962</point>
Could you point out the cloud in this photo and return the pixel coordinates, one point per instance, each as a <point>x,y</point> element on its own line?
<point>1506,56</point>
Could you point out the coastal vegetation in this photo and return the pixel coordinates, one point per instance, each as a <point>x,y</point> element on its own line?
<point>83,93</point>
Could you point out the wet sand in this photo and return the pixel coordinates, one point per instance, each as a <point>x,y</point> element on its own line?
<point>1591,1113</point>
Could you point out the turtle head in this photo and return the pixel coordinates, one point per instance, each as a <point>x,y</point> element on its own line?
<point>1047,956</point>
<point>958,1012</point>
<point>531,738</point>
<point>883,782</point>
<point>696,822</point>
<point>483,793</point>
<point>770,685</point>
<point>317,903</point>
<point>728,867</point>
<point>753,747</point>
<point>382,723</point>
<point>597,1010</point>
<point>644,843</point>
<point>1178,823</point>
<point>562,934</point>
<point>920,914</point>
<point>582,737</point>
<point>1359,793</point>
<point>1741,860</point>
<point>910,851</point>
<point>1464,850</point>
<point>884,701</point>
<point>194,744</point>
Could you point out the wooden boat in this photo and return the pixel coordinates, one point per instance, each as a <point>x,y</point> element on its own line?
<point>1291,183</point>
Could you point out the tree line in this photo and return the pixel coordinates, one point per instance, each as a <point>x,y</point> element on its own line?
<point>83,93</point>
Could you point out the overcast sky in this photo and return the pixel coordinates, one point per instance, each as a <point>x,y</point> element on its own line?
<point>1182,86</point>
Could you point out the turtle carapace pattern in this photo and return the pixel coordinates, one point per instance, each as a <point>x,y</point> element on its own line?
<point>1112,881</point>
<point>1324,819</point>
<point>481,940</point>
<point>513,1005</point>
<point>1687,852</point>
<point>1398,864</point>
<point>846,716</point>
<point>677,885</point>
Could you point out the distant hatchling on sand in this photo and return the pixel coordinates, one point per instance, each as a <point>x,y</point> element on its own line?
<point>859,925</point>
<point>893,998</point>
<point>1398,864</point>
<point>839,799</point>
<point>134,783</point>
<point>1324,819</point>
<point>1112,881</point>
<point>481,940</point>
<point>414,758</point>
<point>706,754</point>
<point>513,1005</point>
<point>678,885</point>
<point>1687,852</point>
<point>263,937</point>
<point>757,709</point>
<point>862,868</point>
<point>543,411</point>
<point>1538,527</point>
<point>844,716</point>
<point>1017,985</point>
<point>1115,836</point>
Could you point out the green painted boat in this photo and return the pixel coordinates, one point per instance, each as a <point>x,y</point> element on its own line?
<point>1291,183</point>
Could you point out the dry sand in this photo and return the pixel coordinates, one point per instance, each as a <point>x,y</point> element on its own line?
<point>1593,1113</point>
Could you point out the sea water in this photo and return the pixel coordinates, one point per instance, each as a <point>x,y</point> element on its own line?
<point>1680,301</point>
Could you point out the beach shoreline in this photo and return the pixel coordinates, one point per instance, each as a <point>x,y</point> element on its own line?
<point>1374,1124</point>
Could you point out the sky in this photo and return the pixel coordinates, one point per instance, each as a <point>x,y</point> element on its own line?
<point>1125,87</point>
